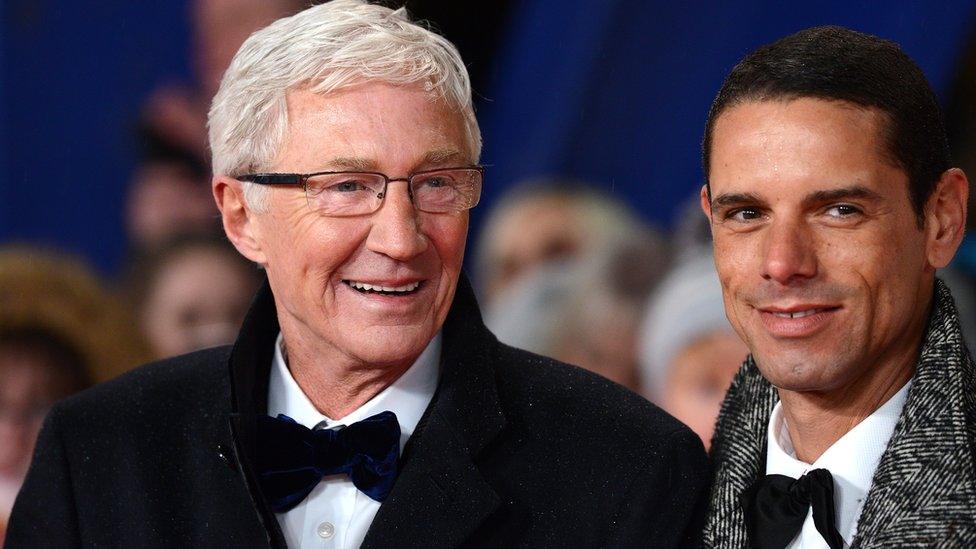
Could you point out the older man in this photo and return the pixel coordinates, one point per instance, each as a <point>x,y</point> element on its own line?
<point>364,402</point>
<point>832,204</point>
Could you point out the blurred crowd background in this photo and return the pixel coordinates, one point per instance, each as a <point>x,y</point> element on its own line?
<point>588,244</point>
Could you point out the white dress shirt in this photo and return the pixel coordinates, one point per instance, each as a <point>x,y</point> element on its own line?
<point>852,461</point>
<point>336,514</point>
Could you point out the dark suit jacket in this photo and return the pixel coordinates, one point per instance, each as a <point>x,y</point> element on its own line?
<point>514,450</point>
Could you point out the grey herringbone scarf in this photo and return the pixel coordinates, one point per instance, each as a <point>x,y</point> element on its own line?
<point>924,491</point>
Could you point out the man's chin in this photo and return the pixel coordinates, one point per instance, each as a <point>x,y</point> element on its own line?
<point>391,345</point>
<point>799,374</point>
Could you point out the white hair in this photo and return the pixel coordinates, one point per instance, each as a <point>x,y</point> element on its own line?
<point>326,48</point>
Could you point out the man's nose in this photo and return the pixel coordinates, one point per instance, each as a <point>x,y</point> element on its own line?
<point>789,253</point>
<point>396,226</point>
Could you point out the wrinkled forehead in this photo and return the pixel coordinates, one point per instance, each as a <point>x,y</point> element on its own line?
<point>360,127</point>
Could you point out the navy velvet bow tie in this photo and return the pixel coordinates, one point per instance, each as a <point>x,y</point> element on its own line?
<point>292,458</point>
<point>776,507</point>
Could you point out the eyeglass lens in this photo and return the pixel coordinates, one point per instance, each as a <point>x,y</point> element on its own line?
<point>362,193</point>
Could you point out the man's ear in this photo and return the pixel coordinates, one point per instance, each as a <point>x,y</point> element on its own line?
<point>237,217</point>
<point>945,217</point>
<point>706,202</point>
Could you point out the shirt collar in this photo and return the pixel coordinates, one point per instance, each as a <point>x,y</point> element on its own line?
<point>852,460</point>
<point>407,397</point>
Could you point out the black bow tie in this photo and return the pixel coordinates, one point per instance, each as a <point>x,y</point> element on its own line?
<point>776,506</point>
<point>292,459</point>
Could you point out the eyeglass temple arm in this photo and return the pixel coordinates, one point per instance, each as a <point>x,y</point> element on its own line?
<point>272,178</point>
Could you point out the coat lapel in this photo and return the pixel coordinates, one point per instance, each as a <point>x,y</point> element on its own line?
<point>739,452</point>
<point>923,491</point>
<point>250,368</point>
<point>440,496</point>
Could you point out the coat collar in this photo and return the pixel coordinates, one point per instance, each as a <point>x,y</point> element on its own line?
<point>440,495</point>
<point>924,489</point>
<point>250,371</point>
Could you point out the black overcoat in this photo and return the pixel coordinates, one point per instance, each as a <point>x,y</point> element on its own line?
<point>514,450</point>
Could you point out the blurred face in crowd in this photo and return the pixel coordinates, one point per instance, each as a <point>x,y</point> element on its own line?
<point>30,382</point>
<point>609,351</point>
<point>198,300</point>
<point>221,26</point>
<point>24,399</point>
<point>166,199</point>
<point>317,265</point>
<point>698,378</point>
<point>537,231</point>
<point>826,273</point>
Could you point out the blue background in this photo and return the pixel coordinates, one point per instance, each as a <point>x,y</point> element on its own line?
<point>611,91</point>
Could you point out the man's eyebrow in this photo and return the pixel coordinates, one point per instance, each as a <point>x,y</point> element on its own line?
<point>431,158</point>
<point>854,191</point>
<point>441,156</point>
<point>735,199</point>
<point>353,164</point>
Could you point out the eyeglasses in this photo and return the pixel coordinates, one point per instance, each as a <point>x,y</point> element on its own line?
<point>361,193</point>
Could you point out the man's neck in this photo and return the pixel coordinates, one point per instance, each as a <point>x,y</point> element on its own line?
<point>335,383</point>
<point>816,420</point>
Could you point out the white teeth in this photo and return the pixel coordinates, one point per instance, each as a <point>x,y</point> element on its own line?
<point>798,314</point>
<point>376,288</point>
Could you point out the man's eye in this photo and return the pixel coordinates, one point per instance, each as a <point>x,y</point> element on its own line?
<point>744,214</point>
<point>843,211</point>
<point>435,182</point>
<point>347,186</point>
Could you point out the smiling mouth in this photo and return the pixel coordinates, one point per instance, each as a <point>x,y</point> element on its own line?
<point>365,288</point>
<point>797,323</point>
<point>801,314</point>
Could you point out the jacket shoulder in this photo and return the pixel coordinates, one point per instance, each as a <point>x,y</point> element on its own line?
<point>544,391</point>
<point>646,473</point>
<point>163,387</point>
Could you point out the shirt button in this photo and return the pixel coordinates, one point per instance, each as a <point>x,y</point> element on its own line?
<point>325,530</point>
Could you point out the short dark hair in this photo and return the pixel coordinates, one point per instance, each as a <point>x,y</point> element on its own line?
<point>834,63</point>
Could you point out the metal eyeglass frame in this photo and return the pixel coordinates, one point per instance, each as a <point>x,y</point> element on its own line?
<point>302,179</point>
